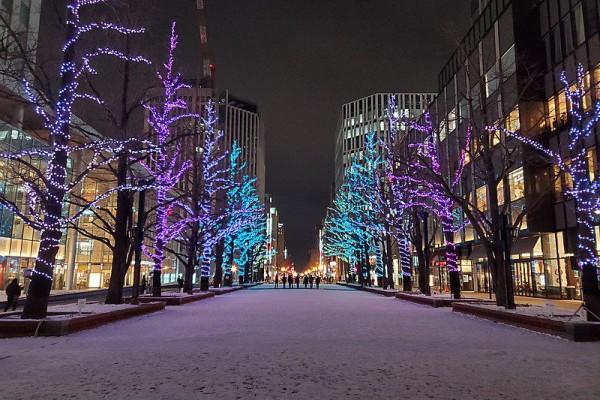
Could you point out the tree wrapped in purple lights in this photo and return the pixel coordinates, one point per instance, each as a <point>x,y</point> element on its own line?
<point>420,183</point>
<point>48,188</point>
<point>584,118</point>
<point>171,214</point>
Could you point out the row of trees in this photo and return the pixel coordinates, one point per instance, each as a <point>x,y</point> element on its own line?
<point>398,181</point>
<point>200,197</point>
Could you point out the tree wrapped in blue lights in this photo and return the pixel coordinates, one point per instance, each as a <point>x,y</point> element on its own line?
<point>47,189</point>
<point>171,215</point>
<point>584,120</point>
<point>244,229</point>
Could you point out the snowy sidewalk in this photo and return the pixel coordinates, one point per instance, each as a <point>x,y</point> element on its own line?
<point>301,344</point>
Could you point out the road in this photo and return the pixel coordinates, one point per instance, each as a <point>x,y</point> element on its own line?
<point>332,343</point>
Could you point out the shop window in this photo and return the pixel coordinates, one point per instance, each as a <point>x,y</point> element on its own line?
<point>442,131</point>
<point>516,183</point>
<point>513,122</point>
<point>452,120</point>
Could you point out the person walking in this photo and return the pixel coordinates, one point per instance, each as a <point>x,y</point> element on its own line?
<point>305,281</point>
<point>311,279</point>
<point>180,283</point>
<point>290,281</point>
<point>276,281</point>
<point>283,280</point>
<point>143,285</point>
<point>13,291</point>
<point>318,280</point>
<point>297,281</point>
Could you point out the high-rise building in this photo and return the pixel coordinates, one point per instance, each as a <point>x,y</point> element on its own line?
<point>369,115</point>
<point>272,237</point>
<point>242,124</point>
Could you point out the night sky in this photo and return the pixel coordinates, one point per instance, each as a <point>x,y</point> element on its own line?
<point>301,60</point>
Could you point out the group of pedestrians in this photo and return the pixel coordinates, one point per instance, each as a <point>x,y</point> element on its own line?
<point>308,281</point>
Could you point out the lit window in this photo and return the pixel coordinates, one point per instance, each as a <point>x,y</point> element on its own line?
<point>481,198</point>
<point>597,82</point>
<point>516,184</point>
<point>562,107</point>
<point>500,189</point>
<point>442,131</point>
<point>552,122</point>
<point>592,163</point>
<point>513,122</point>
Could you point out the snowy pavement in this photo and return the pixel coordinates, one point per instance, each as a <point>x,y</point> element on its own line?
<point>334,343</point>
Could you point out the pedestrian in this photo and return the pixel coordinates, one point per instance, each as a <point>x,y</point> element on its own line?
<point>305,281</point>
<point>13,291</point>
<point>311,279</point>
<point>276,281</point>
<point>318,280</point>
<point>144,283</point>
<point>180,283</point>
<point>283,280</point>
<point>297,281</point>
<point>290,281</point>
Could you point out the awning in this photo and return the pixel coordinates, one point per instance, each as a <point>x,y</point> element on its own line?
<point>524,245</point>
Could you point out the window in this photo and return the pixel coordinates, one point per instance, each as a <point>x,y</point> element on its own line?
<point>513,122</point>
<point>551,105</point>
<point>24,14</point>
<point>508,62</point>
<point>452,120</point>
<point>481,198</point>
<point>491,81</point>
<point>562,107</point>
<point>579,25</point>
<point>500,189</point>
<point>567,34</point>
<point>442,131</point>
<point>597,82</point>
<point>592,163</point>
<point>557,183</point>
<point>516,184</point>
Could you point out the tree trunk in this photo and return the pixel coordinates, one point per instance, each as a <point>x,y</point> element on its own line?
<point>121,237</point>
<point>218,280</point>
<point>389,261</point>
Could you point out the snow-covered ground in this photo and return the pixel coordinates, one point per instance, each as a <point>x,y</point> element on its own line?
<point>334,343</point>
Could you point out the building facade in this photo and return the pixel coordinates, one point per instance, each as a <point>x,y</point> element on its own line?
<point>506,71</point>
<point>369,115</point>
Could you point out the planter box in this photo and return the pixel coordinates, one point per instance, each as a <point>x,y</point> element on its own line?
<point>578,331</point>
<point>179,300</point>
<point>72,323</point>
<point>436,302</point>
<point>375,290</point>
<point>225,290</point>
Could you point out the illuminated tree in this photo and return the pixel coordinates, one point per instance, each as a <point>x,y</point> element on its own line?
<point>171,214</point>
<point>584,119</point>
<point>49,186</point>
